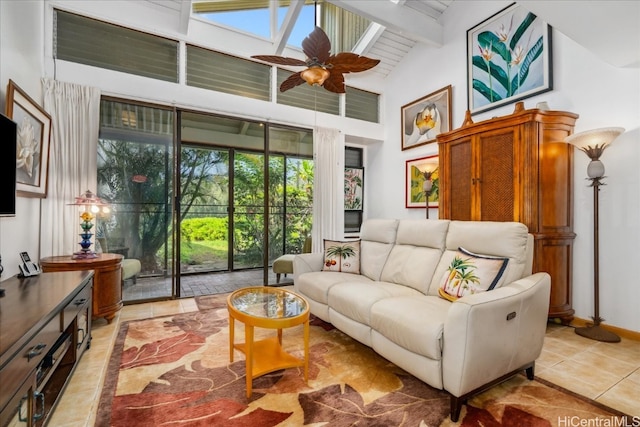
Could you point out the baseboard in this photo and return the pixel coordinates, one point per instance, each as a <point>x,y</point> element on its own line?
<point>623,333</point>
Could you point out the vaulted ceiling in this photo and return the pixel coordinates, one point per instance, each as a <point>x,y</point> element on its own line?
<point>608,28</point>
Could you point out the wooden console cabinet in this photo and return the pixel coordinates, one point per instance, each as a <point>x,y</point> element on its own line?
<point>517,168</point>
<point>107,282</point>
<point>45,326</point>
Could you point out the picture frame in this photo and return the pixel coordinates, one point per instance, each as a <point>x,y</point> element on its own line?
<point>33,141</point>
<point>509,58</point>
<point>414,179</point>
<point>353,188</point>
<point>424,118</point>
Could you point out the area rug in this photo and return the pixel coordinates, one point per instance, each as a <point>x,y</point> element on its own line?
<point>175,371</point>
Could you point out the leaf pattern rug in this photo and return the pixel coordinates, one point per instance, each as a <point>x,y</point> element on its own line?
<point>175,371</point>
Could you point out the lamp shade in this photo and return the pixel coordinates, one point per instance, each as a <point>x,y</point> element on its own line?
<point>596,138</point>
<point>88,198</point>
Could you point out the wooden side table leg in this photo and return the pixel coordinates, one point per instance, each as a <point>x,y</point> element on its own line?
<point>232,331</point>
<point>248,343</point>
<point>306,350</point>
<point>280,337</point>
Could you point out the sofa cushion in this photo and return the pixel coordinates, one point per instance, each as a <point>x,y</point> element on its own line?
<point>379,230</point>
<point>342,256</point>
<point>377,239</point>
<point>412,322</point>
<point>354,299</point>
<point>415,256</point>
<point>316,284</point>
<point>470,273</point>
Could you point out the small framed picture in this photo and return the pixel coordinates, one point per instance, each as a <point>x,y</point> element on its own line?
<point>424,118</point>
<point>353,188</point>
<point>34,133</point>
<point>508,59</point>
<point>417,172</point>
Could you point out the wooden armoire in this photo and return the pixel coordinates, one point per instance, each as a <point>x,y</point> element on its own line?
<point>517,168</point>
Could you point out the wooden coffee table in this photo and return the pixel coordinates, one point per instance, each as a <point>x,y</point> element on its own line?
<point>270,308</point>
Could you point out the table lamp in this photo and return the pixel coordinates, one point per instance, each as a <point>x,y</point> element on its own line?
<point>90,205</point>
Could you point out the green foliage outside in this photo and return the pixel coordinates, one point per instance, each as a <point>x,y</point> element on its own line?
<point>201,229</point>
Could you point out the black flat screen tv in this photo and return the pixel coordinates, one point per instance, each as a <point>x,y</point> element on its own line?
<point>9,132</point>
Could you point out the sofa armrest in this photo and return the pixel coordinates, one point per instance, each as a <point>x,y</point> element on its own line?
<point>305,263</point>
<point>491,334</point>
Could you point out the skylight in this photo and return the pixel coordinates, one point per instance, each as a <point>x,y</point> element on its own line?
<point>254,17</point>
<point>343,28</point>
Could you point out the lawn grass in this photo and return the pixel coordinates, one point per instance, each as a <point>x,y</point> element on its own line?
<point>204,251</point>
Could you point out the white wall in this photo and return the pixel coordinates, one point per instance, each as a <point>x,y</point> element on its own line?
<point>20,61</point>
<point>601,94</point>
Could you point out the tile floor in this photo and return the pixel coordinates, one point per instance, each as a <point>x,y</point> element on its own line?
<point>608,373</point>
<point>193,285</point>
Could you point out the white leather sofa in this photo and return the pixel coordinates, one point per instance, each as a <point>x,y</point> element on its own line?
<point>394,307</point>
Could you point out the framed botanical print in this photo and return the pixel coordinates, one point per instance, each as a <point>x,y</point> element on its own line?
<point>417,171</point>
<point>424,118</point>
<point>353,188</point>
<point>34,133</point>
<point>508,59</point>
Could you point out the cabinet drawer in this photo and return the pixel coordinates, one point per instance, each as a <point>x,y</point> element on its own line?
<point>74,307</point>
<point>10,412</point>
<point>27,359</point>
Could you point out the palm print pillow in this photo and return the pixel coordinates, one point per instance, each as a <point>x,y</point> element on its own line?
<point>342,256</point>
<point>471,273</point>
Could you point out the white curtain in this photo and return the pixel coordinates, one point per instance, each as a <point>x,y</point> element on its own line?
<point>75,119</point>
<point>328,187</point>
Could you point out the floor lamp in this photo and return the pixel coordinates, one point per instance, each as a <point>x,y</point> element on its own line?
<point>427,185</point>
<point>593,143</point>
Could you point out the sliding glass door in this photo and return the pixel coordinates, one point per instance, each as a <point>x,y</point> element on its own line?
<point>204,209</point>
<point>269,177</point>
<point>135,174</point>
<point>248,237</point>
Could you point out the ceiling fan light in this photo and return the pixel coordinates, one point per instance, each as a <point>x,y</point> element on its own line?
<point>315,75</point>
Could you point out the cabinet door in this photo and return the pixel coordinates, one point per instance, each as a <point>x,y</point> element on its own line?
<point>495,180</point>
<point>460,180</point>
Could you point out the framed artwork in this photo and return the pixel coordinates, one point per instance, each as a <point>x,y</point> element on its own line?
<point>353,188</point>
<point>415,177</point>
<point>508,59</point>
<point>34,133</point>
<point>424,118</point>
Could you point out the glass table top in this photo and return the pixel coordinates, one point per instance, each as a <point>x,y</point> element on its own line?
<point>270,303</point>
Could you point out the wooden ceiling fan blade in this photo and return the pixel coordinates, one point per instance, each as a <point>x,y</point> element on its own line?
<point>292,81</point>
<point>335,83</point>
<point>317,45</point>
<point>347,62</point>
<point>280,60</point>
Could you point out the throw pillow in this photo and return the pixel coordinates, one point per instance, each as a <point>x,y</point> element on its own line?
<point>471,273</point>
<point>342,256</point>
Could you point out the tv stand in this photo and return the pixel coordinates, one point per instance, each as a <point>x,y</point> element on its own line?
<point>45,327</point>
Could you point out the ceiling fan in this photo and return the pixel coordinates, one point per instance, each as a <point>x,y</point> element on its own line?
<point>323,69</point>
